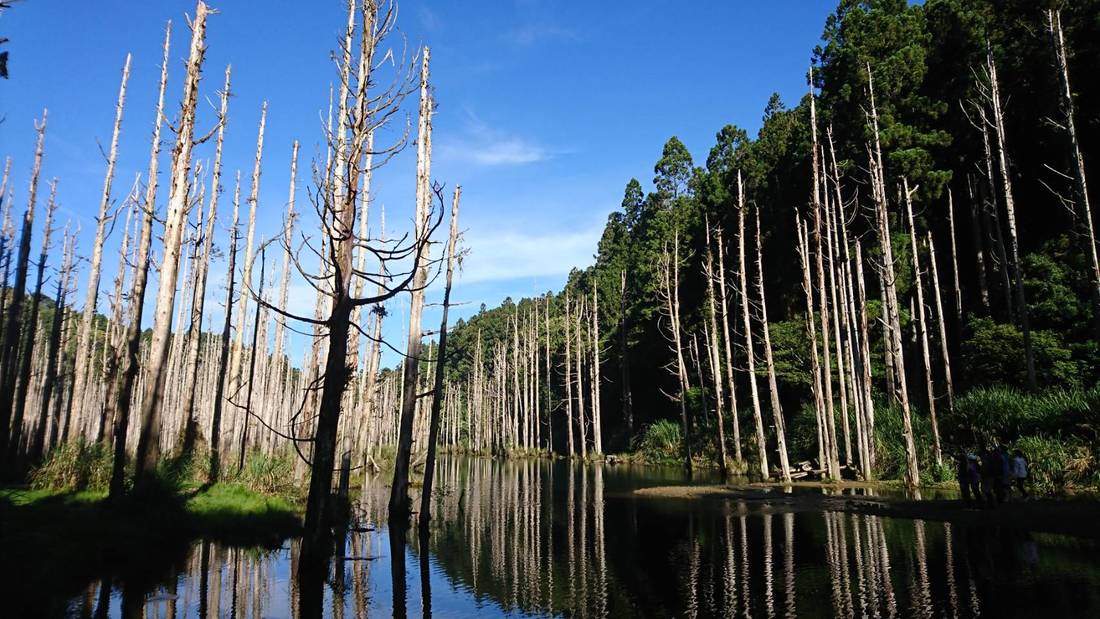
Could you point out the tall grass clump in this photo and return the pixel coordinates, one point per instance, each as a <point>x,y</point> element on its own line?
<point>1004,414</point>
<point>661,442</point>
<point>269,473</point>
<point>74,466</point>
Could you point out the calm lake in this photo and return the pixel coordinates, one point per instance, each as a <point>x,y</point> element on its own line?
<point>535,538</point>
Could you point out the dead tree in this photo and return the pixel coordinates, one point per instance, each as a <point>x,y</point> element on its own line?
<point>9,342</point>
<point>922,323</point>
<point>122,366</point>
<point>194,332</point>
<point>30,332</point>
<point>750,346</point>
<point>91,299</point>
<point>670,295</point>
<point>221,377</point>
<point>888,281</point>
<point>769,361</point>
<point>148,447</point>
<point>399,490</point>
<point>51,377</point>
<point>712,352</point>
<point>441,358</point>
<point>1082,210</point>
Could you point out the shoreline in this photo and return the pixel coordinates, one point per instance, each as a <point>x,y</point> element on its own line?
<point>1075,516</point>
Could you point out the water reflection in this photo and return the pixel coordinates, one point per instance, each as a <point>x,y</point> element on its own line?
<point>533,538</point>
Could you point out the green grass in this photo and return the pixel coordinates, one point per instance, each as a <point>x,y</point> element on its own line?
<point>55,542</point>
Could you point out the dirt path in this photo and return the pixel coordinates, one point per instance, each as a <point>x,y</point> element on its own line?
<point>1077,517</point>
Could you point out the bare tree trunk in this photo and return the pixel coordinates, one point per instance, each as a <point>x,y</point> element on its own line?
<point>597,427</point>
<point>773,387</point>
<point>889,282</point>
<point>30,328</point>
<point>9,343</point>
<point>51,377</point>
<point>148,448</point>
<point>954,259</point>
<point>811,329</point>
<point>624,365</point>
<point>1081,190</point>
<point>943,328</point>
<point>833,464</point>
<point>194,333</point>
<point>578,361</point>
<point>922,324</point>
<point>221,378</point>
<point>865,356</point>
<point>728,345</point>
<point>441,359</point>
<point>1010,208</point>
<point>671,293</point>
<point>123,367</point>
<point>236,356</point>
<point>568,377</point>
<point>399,490</point>
<point>712,353</point>
<point>83,349</point>
<point>750,352</point>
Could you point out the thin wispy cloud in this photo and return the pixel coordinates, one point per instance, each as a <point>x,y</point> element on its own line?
<point>479,144</point>
<point>509,255</point>
<point>539,32</point>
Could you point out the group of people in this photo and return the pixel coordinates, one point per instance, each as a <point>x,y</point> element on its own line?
<point>986,479</point>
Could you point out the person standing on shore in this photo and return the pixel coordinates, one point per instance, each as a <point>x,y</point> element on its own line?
<point>992,488</point>
<point>1020,472</point>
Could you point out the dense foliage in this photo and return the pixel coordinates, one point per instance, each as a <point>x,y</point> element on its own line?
<point>927,65</point>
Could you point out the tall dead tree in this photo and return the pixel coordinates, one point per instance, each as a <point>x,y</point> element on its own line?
<point>712,351</point>
<point>888,280</point>
<point>221,378</point>
<point>597,426</point>
<point>91,299</point>
<point>122,366</point>
<point>773,387</point>
<point>670,295</point>
<point>922,322</point>
<point>1082,209</point>
<point>148,447</point>
<point>1022,312</point>
<point>194,331</point>
<point>30,327</point>
<point>750,346</point>
<point>9,342</point>
<point>399,490</point>
<point>727,343</point>
<point>441,358</point>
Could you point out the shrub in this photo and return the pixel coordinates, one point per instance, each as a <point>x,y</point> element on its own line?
<point>269,473</point>
<point>75,466</point>
<point>662,441</point>
<point>1056,465</point>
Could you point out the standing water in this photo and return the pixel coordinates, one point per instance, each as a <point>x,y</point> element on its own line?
<point>536,538</point>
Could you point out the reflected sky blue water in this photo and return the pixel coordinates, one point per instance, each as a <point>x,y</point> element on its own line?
<point>534,538</point>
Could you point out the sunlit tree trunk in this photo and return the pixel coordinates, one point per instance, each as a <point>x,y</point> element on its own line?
<point>399,492</point>
<point>148,447</point>
<point>773,387</point>
<point>441,358</point>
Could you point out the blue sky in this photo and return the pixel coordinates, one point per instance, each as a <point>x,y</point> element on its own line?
<point>546,109</point>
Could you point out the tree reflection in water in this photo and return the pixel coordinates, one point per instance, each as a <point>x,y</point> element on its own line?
<point>535,538</point>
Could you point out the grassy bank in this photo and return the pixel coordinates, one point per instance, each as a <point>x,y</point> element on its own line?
<point>55,542</point>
